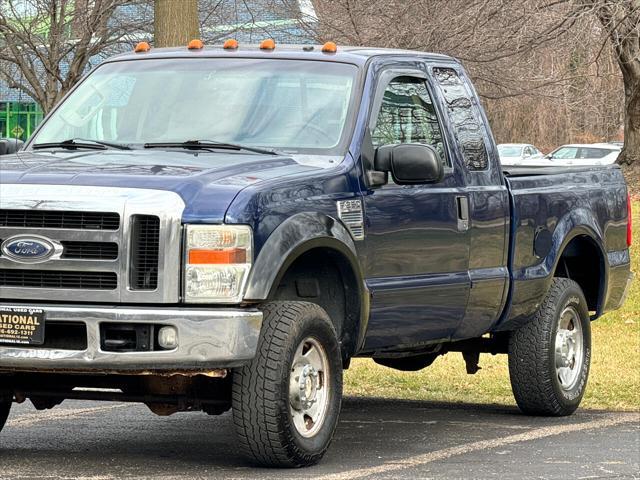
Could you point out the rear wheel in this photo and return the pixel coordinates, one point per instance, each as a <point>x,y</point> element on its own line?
<point>286,402</point>
<point>549,356</point>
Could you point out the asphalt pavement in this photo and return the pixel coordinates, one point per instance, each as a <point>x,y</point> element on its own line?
<point>376,439</point>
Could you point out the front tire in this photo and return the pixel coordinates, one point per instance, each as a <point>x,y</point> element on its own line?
<point>286,402</point>
<point>549,356</point>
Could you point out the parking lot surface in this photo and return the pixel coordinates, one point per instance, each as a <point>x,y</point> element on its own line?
<point>376,438</point>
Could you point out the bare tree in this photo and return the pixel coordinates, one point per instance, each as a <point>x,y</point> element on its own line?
<point>621,20</point>
<point>544,68</point>
<point>176,22</point>
<point>47,45</point>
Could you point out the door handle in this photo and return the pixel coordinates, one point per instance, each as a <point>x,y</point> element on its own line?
<point>462,205</point>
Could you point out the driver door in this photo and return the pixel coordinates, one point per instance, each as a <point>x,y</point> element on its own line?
<point>417,244</point>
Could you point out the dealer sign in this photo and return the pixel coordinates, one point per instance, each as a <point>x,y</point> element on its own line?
<point>22,325</point>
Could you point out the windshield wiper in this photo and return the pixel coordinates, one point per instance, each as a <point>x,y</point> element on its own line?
<point>209,145</point>
<point>76,143</point>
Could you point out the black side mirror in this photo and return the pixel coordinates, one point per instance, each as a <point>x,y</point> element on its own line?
<point>10,145</point>
<point>410,163</point>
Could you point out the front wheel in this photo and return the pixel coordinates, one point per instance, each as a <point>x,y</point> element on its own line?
<point>286,402</point>
<point>5,408</point>
<point>549,356</point>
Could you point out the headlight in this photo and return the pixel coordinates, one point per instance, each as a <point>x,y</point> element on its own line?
<point>217,263</point>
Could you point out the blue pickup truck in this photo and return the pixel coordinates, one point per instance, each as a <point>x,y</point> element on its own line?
<point>226,228</point>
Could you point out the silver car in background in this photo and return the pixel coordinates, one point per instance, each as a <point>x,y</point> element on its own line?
<point>584,154</point>
<point>515,154</point>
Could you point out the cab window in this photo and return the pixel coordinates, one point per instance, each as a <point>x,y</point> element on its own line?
<point>407,115</point>
<point>593,152</point>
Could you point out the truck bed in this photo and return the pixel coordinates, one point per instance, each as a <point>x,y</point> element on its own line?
<point>558,213</point>
<point>524,171</point>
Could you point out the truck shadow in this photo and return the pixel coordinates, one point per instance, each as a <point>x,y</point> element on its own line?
<point>132,442</point>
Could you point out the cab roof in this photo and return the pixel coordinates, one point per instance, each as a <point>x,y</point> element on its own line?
<point>354,55</point>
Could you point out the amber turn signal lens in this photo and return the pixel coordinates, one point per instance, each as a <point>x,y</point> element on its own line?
<point>268,44</point>
<point>329,47</point>
<point>142,47</point>
<point>230,44</point>
<point>195,45</point>
<point>217,257</point>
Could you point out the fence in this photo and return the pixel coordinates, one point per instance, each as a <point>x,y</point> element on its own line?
<point>19,120</point>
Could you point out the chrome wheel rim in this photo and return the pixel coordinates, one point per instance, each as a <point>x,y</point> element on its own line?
<point>309,387</point>
<point>569,351</point>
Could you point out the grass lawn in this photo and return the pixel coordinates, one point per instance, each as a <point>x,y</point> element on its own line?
<point>614,381</point>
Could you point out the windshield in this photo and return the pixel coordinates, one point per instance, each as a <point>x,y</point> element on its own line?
<point>288,105</point>
<point>509,151</point>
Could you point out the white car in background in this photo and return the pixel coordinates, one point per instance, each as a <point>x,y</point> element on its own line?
<point>516,154</point>
<point>584,154</point>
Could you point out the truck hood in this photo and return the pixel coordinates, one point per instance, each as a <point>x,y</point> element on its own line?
<point>207,182</point>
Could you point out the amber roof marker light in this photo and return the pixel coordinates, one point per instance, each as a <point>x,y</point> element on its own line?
<point>268,44</point>
<point>231,44</point>
<point>195,45</point>
<point>330,47</point>
<point>142,47</point>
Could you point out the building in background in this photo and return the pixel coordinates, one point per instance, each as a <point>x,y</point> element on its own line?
<point>249,21</point>
<point>18,116</point>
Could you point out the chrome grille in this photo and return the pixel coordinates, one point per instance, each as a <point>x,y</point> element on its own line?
<point>58,279</point>
<point>145,239</point>
<point>90,250</point>
<point>100,254</point>
<point>64,220</point>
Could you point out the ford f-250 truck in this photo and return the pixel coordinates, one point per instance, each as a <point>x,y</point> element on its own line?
<point>226,228</point>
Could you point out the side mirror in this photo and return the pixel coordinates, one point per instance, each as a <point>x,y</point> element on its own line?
<point>10,145</point>
<point>410,163</point>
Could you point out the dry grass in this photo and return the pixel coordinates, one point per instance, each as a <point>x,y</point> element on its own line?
<point>615,373</point>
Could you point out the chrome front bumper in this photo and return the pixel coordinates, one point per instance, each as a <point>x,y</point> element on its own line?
<point>207,340</point>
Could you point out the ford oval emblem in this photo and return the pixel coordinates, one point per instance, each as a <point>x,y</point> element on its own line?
<point>27,249</point>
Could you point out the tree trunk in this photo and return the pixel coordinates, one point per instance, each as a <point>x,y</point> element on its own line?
<point>621,21</point>
<point>631,151</point>
<point>176,22</point>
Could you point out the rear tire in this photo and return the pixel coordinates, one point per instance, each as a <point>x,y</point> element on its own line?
<point>549,356</point>
<point>286,402</point>
<point>5,408</point>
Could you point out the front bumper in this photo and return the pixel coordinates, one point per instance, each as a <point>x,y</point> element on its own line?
<point>207,340</point>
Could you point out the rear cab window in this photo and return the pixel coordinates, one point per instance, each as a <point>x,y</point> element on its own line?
<point>468,127</point>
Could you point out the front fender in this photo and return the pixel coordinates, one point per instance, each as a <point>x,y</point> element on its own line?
<point>295,236</point>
